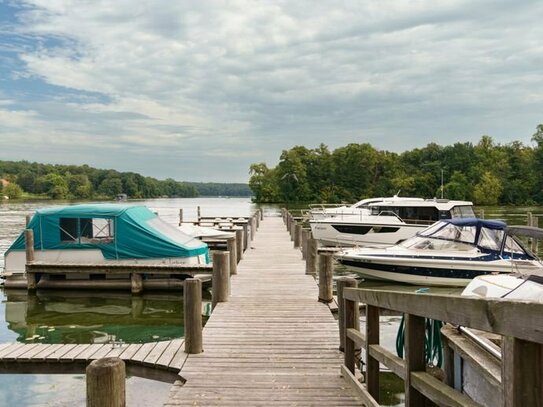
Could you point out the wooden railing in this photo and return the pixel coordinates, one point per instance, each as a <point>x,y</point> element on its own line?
<point>520,323</point>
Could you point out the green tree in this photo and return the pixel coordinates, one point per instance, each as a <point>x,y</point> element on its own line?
<point>110,187</point>
<point>54,185</point>
<point>12,191</point>
<point>488,190</point>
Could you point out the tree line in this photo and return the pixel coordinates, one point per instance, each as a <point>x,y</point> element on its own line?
<point>487,173</point>
<point>83,182</point>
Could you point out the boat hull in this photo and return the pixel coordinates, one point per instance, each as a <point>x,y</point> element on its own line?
<point>349,234</point>
<point>430,272</point>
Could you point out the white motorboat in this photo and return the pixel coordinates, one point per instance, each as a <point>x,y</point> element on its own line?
<point>323,211</point>
<point>449,253</point>
<point>387,222</point>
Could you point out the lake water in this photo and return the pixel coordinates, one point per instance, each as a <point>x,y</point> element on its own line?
<point>92,317</point>
<point>98,317</point>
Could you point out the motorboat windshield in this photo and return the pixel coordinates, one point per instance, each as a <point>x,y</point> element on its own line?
<point>466,234</point>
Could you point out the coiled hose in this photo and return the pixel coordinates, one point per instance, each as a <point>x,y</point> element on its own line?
<point>433,347</point>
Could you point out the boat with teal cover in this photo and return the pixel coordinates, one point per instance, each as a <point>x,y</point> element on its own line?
<point>104,233</point>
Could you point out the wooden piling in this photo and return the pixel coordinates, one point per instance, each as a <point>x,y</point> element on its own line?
<point>535,223</point>
<point>305,236</point>
<point>261,214</point>
<point>252,223</point>
<point>231,246</point>
<point>288,222</point>
<point>293,229</point>
<point>29,250</point>
<point>136,283</point>
<point>297,236</point>
<point>221,278</point>
<point>351,320</point>
<point>239,244</point>
<point>342,283</point>
<point>257,217</point>
<point>106,383</point>
<point>522,373</point>
<point>326,271</point>
<point>372,338</point>
<point>199,213</point>
<point>245,239</point>
<point>414,358</point>
<point>28,218</point>
<point>192,301</point>
<point>311,259</point>
<point>180,217</point>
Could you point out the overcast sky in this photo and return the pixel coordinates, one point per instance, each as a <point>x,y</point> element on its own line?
<point>199,90</point>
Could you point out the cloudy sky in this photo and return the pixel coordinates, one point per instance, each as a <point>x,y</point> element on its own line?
<point>199,90</point>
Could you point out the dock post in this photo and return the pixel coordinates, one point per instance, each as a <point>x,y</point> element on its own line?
<point>231,247</point>
<point>261,214</point>
<point>245,227</point>
<point>180,217</point>
<point>199,213</point>
<point>372,338</point>
<point>192,302</point>
<point>311,260</point>
<point>522,371</point>
<point>305,237</point>
<point>29,249</point>
<point>535,223</point>
<point>106,383</point>
<point>136,283</point>
<point>293,224</point>
<point>220,287</point>
<point>350,321</point>
<point>257,217</point>
<point>288,220</point>
<point>414,357</point>
<point>326,270</point>
<point>239,244</point>
<point>27,219</point>
<point>252,224</point>
<point>297,236</point>
<point>482,213</point>
<point>342,283</point>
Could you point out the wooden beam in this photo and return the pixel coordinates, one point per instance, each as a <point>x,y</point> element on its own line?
<point>387,358</point>
<point>341,283</point>
<point>372,338</point>
<point>357,337</point>
<point>414,358</point>
<point>506,317</point>
<point>522,373</point>
<point>440,393</point>
<point>367,399</point>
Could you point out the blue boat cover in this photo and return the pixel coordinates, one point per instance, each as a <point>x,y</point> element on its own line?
<point>138,233</point>
<point>479,223</point>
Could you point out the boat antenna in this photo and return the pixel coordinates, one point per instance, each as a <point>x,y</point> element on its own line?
<point>442,183</point>
<point>398,193</point>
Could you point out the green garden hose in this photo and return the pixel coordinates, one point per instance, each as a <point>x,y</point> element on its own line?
<point>433,348</point>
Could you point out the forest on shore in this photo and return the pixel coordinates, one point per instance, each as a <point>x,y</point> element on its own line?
<point>487,173</point>
<point>23,179</point>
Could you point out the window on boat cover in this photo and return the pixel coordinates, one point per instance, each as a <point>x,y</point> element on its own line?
<point>448,231</point>
<point>491,238</point>
<point>464,211</point>
<point>86,230</point>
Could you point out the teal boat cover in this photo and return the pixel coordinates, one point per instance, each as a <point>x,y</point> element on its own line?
<point>119,231</point>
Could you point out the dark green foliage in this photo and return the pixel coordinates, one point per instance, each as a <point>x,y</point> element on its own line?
<point>486,173</point>
<point>84,182</point>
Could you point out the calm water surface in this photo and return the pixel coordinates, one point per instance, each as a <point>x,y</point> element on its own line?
<point>92,317</point>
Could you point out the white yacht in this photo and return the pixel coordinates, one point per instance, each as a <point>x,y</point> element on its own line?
<point>387,222</point>
<point>323,211</point>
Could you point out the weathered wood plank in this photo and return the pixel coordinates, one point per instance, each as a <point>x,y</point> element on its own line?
<point>505,317</point>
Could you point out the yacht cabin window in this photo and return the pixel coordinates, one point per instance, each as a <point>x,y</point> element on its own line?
<point>86,230</point>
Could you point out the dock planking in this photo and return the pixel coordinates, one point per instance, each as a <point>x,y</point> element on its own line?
<point>272,342</point>
<point>158,360</point>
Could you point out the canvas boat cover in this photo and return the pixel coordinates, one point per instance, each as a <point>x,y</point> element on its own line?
<point>134,232</point>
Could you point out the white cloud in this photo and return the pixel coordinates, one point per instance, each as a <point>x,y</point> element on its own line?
<point>246,79</point>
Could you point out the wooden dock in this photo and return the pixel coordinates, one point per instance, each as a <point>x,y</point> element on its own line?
<point>272,343</point>
<point>156,360</point>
